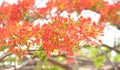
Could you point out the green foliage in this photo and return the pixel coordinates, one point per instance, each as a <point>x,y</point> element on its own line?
<point>10,59</point>
<point>61,59</point>
<point>37,67</point>
<point>92,51</point>
<point>55,68</point>
<point>40,54</point>
<point>97,56</point>
<point>116,58</point>
<point>3,48</point>
<point>98,61</point>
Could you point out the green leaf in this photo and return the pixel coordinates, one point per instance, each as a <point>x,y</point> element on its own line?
<point>10,59</point>
<point>98,62</point>
<point>116,58</point>
<point>3,47</point>
<point>14,37</point>
<point>37,67</point>
<point>55,68</point>
<point>40,54</point>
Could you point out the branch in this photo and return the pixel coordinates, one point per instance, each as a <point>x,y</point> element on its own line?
<point>115,48</point>
<point>3,3</point>
<point>114,67</point>
<point>55,62</point>
<point>20,66</point>
<point>24,64</point>
<point>82,62</point>
<point>5,55</point>
<point>59,64</point>
<point>107,66</point>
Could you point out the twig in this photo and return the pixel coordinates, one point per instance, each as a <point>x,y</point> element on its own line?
<point>3,3</point>
<point>5,55</point>
<point>107,58</point>
<point>115,48</point>
<point>107,66</point>
<point>59,64</point>
<point>20,66</point>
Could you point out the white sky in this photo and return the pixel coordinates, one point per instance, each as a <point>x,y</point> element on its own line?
<point>10,1</point>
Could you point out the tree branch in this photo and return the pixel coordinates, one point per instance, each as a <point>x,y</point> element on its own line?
<point>59,64</point>
<point>19,67</point>
<point>114,67</point>
<point>3,3</point>
<point>115,48</point>
<point>107,66</point>
<point>5,55</point>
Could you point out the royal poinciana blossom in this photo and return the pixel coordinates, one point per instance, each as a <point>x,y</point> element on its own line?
<point>63,34</point>
<point>17,35</point>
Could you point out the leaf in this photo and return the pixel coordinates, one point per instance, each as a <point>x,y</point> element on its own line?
<point>116,58</point>
<point>98,62</point>
<point>10,59</point>
<point>2,48</point>
<point>40,54</point>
